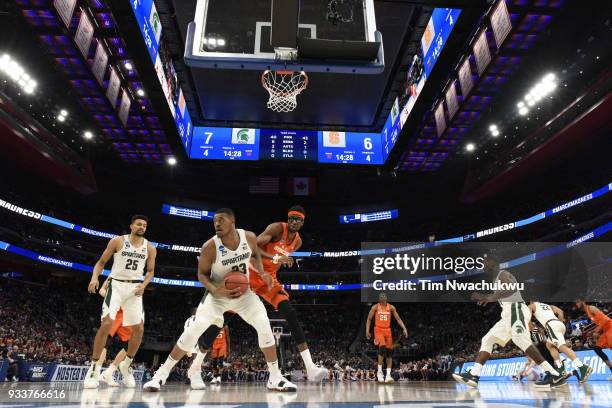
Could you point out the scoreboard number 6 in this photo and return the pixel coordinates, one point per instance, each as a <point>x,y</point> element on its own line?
<point>367,143</point>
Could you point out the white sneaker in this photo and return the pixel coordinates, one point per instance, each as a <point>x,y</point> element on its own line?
<point>107,378</point>
<point>195,379</point>
<point>215,380</point>
<point>281,384</point>
<point>379,377</point>
<point>155,384</point>
<point>91,379</point>
<point>126,372</point>
<point>389,379</point>
<point>318,374</point>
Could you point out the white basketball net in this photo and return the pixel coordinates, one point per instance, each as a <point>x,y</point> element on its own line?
<point>284,87</point>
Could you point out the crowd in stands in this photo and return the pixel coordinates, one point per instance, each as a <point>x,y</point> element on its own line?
<point>56,323</point>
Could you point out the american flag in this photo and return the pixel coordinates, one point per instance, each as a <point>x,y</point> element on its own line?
<point>264,185</point>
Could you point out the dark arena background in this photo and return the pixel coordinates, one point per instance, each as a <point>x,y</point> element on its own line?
<point>128,128</point>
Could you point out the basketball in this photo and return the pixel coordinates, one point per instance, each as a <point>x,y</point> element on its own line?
<point>236,280</point>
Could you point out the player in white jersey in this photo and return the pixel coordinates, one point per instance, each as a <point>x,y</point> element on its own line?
<point>513,325</point>
<point>230,250</point>
<point>551,318</point>
<point>132,254</point>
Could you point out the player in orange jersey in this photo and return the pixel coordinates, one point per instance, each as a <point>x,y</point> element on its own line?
<point>382,311</point>
<point>123,333</point>
<point>220,351</point>
<point>276,244</point>
<point>603,332</point>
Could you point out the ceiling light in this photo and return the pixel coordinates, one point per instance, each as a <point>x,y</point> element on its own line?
<point>495,133</point>
<point>523,111</point>
<point>221,42</point>
<point>493,128</point>
<point>470,147</point>
<point>88,135</point>
<point>61,118</point>
<point>171,161</point>
<point>140,92</point>
<point>64,112</point>
<point>520,104</point>
<point>128,65</point>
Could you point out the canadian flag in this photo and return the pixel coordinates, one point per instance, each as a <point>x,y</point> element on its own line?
<point>302,186</point>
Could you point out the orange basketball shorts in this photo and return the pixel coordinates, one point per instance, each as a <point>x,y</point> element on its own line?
<point>383,337</point>
<point>273,296</point>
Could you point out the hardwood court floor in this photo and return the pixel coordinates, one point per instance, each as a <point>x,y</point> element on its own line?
<point>345,395</point>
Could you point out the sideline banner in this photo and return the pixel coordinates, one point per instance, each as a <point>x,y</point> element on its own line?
<point>502,369</point>
<point>77,373</point>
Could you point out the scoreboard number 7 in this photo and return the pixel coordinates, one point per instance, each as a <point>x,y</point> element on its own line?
<point>209,135</point>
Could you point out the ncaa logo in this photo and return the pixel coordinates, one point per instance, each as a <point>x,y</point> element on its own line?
<point>127,244</point>
<point>222,250</point>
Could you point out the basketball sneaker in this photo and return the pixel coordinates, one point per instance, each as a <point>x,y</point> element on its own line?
<point>128,376</point>
<point>379,377</point>
<point>467,379</point>
<point>92,378</point>
<point>389,379</point>
<point>281,384</point>
<point>195,379</point>
<point>107,378</point>
<point>159,379</point>
<point>551,381</point>
<point>584,373</point>
<point>317,374</point>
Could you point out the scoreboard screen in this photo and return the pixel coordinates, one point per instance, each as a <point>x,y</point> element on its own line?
<point>369,217</point>
<point>170,209</point>
<point>288,144</point>
<point>225,143</point>
<point>350,147</point>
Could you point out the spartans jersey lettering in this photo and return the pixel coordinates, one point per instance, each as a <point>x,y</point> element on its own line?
<point>544,313</point>
<point>129,262</point>
<point>227,261</point>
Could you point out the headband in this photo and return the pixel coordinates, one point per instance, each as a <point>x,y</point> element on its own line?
<point>296,214</point>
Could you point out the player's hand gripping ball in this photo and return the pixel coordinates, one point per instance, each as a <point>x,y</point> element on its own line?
<point>236,280</point>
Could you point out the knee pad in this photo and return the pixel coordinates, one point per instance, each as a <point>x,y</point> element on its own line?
<point>290,314</point>
<point>207,339</point>
<point>192,333</point>
<point>265,337</point>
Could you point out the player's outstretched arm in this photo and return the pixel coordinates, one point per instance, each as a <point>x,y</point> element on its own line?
<point>113,246</point>
<point>369,321</point>
<point>399,320</point>
<point>271,234</point>
<point>150,265</point>
<point>256,256</point>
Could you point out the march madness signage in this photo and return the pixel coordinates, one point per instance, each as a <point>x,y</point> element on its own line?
<point>77,373</point>
<point>503,369</point>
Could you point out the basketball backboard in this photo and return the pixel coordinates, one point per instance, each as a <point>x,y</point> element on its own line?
<point>237,34</point>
